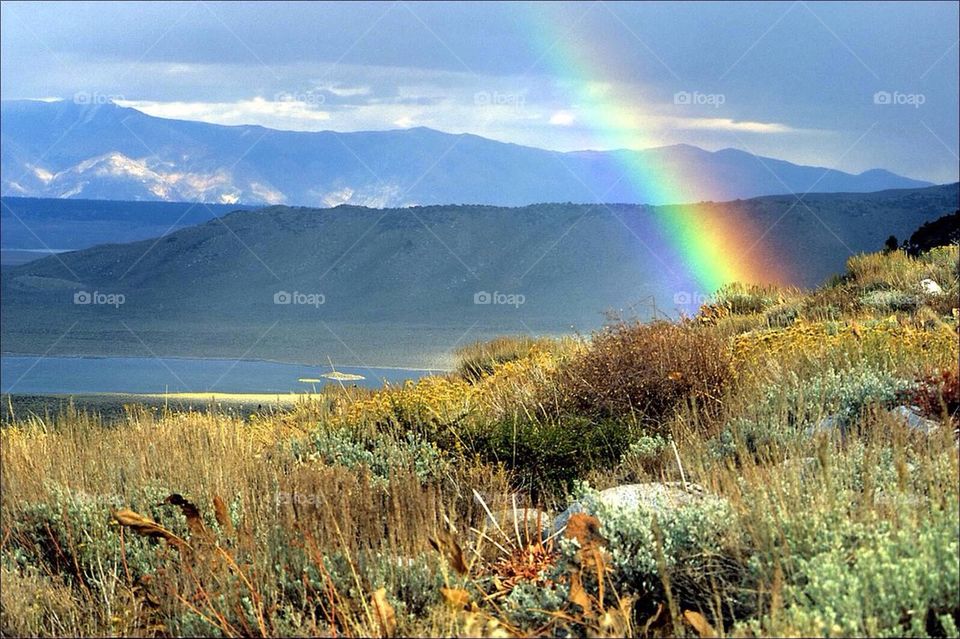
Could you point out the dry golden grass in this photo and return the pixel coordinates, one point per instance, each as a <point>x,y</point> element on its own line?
<point>901,271</point>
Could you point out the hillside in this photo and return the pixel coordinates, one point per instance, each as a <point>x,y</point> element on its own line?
<point>110,152</point>
<point>30,225</point>
<point>397,286</point>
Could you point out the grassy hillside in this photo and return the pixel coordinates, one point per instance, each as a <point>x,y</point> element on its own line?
<point>398,285</point>
<point>794,497</point>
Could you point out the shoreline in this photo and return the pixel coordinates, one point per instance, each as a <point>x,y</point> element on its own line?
<point>229,359</point>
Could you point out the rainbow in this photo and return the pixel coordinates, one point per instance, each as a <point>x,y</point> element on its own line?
<point>701,248</point>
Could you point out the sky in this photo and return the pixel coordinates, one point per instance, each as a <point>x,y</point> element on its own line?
<point>852,86</point>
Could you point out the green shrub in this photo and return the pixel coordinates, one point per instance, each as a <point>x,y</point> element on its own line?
<point>381,454</point>
<point>877,581</point>
<point>885,300</point>
<point>782,315</point>
<point>646,454</point>
<point>694,542</point>
<point>785,411</point>
<point>530,605</point>
<point>846,393</point>
<point>746,299</point>
<point>546,455</point>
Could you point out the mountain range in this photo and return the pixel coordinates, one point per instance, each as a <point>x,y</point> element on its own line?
<point>105,151</point>
<point>403,287</point>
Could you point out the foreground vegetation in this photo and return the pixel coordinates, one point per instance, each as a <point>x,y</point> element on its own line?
<point>802,502</point>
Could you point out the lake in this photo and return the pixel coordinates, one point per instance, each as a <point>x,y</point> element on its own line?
<point>69,375</point>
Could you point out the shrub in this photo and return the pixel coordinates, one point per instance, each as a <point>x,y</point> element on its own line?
<point>845,394</point>
<point>429,405</point>
<point>890,301</point>
<point>646,454</point>
<point>646,371</point>
<point>745,299</point>
<point>878,581</point>
<point>811,345</point>
<point>533,606</point>
<point>383,456</point>
<point>785,411</point>
<point>692,542</point>
<point>782,315</point>
<point>546,455</point>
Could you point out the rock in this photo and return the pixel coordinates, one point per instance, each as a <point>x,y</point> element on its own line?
<point>656,497</point>
<point>910,415</point>
<point>929,287</point>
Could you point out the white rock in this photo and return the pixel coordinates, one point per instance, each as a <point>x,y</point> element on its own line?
<point>930,287</point>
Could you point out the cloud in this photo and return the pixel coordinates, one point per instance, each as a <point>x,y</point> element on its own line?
<point>562,118</point>
<point>728,124</point>
<point>342,91</point>
<point>291,114</point>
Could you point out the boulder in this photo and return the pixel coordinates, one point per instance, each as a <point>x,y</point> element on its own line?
<point>909,415</point>
<point>929,287</point>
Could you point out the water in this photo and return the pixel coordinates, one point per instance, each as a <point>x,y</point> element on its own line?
<point>79,375</point>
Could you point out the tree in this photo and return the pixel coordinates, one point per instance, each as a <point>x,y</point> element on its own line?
<point>941,232</point>
<point>891,244</point>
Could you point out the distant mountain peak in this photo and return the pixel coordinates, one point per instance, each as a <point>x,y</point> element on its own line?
<point>91,148</point>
